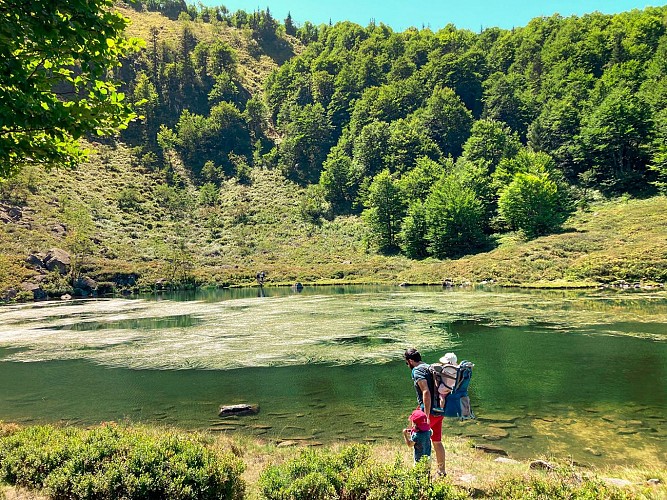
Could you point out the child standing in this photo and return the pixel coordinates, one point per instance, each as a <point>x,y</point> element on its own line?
<point>419,435</point>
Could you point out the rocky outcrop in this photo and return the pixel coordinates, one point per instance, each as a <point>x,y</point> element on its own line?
<point>37,292</point>
<point>36,260</point>
<point>85,286</point>
<point>58,260</point>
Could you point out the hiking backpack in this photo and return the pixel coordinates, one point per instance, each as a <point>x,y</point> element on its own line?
<point>455,379</point>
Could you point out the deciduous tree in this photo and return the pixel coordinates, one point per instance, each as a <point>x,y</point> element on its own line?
<point>54,85</point>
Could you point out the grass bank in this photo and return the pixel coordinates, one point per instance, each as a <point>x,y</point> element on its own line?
<point>136,462</point>
<point>133,225</point>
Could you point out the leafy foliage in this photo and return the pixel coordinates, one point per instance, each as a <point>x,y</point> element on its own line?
<point>530,203</point>
<point>54,86</point>
<point>113,462</point>
<point>385,212</point>
<point>455,218</point>
<point>351,473</point>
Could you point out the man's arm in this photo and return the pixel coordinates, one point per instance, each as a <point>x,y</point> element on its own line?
<point>426,396</point>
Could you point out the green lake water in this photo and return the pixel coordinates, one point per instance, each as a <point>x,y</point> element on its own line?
<point>565,373</point>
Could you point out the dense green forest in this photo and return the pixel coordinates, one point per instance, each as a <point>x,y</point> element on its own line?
<point>439,139</point>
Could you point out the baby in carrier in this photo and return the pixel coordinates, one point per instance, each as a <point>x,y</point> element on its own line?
<point>447,377</point>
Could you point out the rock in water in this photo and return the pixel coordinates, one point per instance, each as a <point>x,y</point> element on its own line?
<point>487,448</point>
<point>240,409</point>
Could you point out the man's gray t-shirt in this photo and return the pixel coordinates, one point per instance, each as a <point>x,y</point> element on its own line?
<point>420,372</point>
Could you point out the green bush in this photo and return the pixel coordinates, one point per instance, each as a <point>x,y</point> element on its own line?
<point>129,199</point>
<point>532,204</point>
<point>350,474</point>
<point>116,462</point>
<point>454,218</point>
<point>557,487</point>
<point>208,195</point>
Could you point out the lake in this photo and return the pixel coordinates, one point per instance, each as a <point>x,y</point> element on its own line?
<point>579,374</point>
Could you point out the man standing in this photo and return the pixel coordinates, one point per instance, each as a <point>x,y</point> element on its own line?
<point>424,387</point>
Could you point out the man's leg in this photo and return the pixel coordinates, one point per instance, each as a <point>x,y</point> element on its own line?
<point>436,439</point>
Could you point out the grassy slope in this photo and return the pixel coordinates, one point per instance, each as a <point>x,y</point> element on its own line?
<point>258,227</point>
<point>254,60</point>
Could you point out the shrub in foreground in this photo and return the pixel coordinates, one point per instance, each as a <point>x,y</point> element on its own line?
<point>116,462</point>
<point>351,474</point>
<point>557,486</point>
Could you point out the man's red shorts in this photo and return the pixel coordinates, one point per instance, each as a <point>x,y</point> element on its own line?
<point>436,428</point>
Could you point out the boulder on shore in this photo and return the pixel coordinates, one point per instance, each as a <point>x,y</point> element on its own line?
<point>36,260</point>
<point>37,292</point>
<point>86,284</point>
<point>58,260</point>
<point>238,410</point>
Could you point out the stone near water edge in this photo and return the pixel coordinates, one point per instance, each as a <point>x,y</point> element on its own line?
<point>489,448</point>
<point>493,437</point>
<point>287,443</point>
<point>467,478</point>
<point>227,424</point>
<point>506,460</point>
<point>501,419</point>
<point>302,438</point>
<point>239,409</point>
<point>542,464</point>
<point>496,434</point>
<point>86,284</point>
<point>37,292</point>
<point>593,451</point>
<point>653,482</point>
<point>312,444</point>
<point>626,432</point>
<point>614,481</point>
<point>501,425</point>
<point>66,296</point>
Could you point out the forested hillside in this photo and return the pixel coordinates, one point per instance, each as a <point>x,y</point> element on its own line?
<point>348,153</point>
<point>447,137</point>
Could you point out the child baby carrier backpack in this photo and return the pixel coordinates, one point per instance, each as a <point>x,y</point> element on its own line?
<point>455,378</point>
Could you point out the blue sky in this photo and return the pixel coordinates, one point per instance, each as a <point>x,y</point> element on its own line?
<point>400,14</point>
